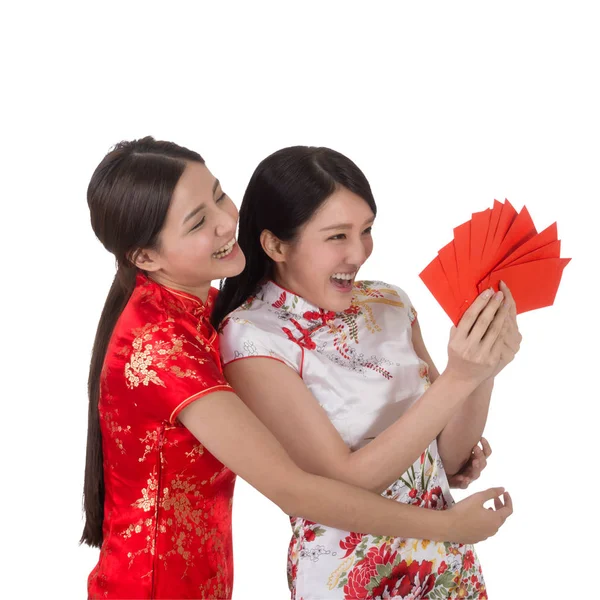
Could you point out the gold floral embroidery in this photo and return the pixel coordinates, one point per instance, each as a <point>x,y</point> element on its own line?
<point>114,429</point>
<point>150,439</point>
<point>149,354</point>
<point>196,451</point>
<point>367,311</point>
<point>188,521</point>
<point>148,500</point>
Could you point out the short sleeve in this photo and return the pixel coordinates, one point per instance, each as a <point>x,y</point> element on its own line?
<point>408,305</point>
<point>169,367</point>
<point>240,338</point>
<point>393,292</point>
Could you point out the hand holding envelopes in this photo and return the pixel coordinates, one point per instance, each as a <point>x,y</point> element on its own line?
<point>497,244</point>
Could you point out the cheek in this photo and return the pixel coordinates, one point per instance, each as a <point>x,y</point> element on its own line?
<point>192,249</point>
<point>368,247</point>
<point>231,209</point>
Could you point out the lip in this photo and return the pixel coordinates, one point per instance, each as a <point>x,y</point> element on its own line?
<point>223,246</point>
<point>234,250</point>
<point>341,291</point>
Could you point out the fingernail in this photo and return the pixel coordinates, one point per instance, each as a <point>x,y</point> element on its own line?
<point>499,296</point>
<point>487,294</point>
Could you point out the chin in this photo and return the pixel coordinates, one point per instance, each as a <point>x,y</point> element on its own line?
<point>338,305</point>
<point>233,268</point>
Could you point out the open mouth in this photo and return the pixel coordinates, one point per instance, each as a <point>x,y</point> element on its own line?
<point>225,250</point>
<point>343,281</point>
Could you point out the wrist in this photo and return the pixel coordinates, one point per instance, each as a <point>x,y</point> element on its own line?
<point>457,385</point>
<point>443,526</point>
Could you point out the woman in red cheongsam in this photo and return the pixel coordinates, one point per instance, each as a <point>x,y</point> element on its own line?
<point>160,466</point>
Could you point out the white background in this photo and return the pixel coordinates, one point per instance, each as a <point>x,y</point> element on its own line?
<point>445,106</point>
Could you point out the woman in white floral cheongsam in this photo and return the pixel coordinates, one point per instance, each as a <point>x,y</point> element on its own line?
<point>352,392</point>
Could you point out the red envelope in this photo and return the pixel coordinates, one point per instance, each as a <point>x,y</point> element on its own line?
<point>497,245</point>
<point>532,284</point>
<point>435,279</point>
<point>547,236</point>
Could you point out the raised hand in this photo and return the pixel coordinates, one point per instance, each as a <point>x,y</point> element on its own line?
<point>510,332</point>
<point>476,345</point>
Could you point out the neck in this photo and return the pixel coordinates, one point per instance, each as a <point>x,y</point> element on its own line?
<point>200,291</point>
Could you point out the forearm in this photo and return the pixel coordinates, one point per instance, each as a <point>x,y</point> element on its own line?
<point>229,430</point>
<point>465,428</point>
<point>392,452</point>
<point>348,508</point>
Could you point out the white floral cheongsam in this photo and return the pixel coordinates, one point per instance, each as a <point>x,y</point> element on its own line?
<point>361,367</point>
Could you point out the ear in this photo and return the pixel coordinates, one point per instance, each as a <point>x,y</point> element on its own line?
<point>274,248</point>
<point>145,259</point>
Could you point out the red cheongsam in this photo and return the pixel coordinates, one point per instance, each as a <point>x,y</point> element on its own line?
<point>167,508</point>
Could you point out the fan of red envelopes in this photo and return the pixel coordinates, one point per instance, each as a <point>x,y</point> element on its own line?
<point>497,244</point>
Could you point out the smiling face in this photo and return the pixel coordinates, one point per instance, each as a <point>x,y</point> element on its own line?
<point>322,262</point>
<point>197,243</point>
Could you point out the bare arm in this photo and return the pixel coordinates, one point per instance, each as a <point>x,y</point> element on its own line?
<point>229,430</point>
<point>294,416</point>
<point>303,428</point>
<point>465,428</point>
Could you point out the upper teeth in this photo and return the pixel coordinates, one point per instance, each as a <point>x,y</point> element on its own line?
<point>343,275</point>
<point>226,248</point>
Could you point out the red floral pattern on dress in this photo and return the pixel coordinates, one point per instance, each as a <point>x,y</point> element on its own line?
<point>372,335</point>
<point>381,575</point>
<point>350,542</point>
<point>280,301</point>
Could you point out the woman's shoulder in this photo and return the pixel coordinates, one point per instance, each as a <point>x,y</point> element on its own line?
<point>252,314</point>
<point>374,288</point>
<point>385,295</point>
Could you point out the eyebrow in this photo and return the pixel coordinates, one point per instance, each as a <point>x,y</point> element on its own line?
<point>201,206</point>
<point>345,225</point>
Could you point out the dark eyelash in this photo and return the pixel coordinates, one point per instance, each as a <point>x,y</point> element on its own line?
<point>201,222</point>
<point>336,237</point>
<point>221,197</point>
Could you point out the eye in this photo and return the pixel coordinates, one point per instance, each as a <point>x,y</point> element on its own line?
<point>221,197</point>
<point>368,230</point>
<point>339,236</point>
<point>199,224</point>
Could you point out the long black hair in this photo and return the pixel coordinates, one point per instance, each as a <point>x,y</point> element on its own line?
<point>128,197</point>
<point>284,192</point>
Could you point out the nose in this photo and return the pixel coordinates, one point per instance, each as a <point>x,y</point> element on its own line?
<point>226,224</point>
<point>357,253</point>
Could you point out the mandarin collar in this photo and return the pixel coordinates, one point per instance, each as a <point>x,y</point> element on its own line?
<point>287,301</point>
<point>184,300</point>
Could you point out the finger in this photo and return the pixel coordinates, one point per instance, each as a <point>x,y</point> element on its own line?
<point>486,318</point>
<point>487,449</point>
<point>508,503</point>
<point>508,294</point>
<point>511,330</point>
<point>497,351</point>
<point>498,504</point>
<point>512,344</point>
<point>468,319</point>
<point>479,463</point>
<point>461,481</point>
<point>493,332</point>
<point>505,512</point>
<point>490,493</point>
